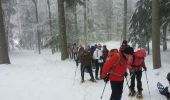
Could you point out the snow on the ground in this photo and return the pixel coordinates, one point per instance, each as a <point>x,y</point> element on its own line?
<point>45,77</point>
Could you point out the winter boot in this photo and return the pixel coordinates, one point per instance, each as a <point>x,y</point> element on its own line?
<point>139,94</point>
<point>92,80</point>
<point>132,93</point>
<point>82,81</point>
<point>97,78</point>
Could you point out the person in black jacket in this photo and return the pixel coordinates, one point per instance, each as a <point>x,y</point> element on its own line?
<point>86,61</point>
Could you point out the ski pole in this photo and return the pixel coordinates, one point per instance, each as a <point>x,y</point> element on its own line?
<point>75,73</point>
<point>127,82</point>
<point>148,85</point>
<point>103,90</point>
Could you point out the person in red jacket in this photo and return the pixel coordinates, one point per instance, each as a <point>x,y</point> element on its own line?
<point>114,70</point>
<point>137,65</point>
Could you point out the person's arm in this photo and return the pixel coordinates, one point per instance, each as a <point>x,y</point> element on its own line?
<point>108,65</point>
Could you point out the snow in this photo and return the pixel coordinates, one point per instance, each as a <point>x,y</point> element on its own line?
<point>46,77</point>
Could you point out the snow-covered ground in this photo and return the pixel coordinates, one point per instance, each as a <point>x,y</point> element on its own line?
<point>46,77</point>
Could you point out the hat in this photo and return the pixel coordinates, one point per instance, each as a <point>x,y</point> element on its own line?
<point>124,42</point>
<point>128,50</point>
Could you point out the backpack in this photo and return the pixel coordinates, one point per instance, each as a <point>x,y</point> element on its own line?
<point>112,52</point>
<point>138,57</point>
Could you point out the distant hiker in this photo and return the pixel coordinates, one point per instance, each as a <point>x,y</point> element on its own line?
<point>98,60</point>
<point>137,65</point>
<point>80,52</point>
<point>123,45</point>
<point>164,90</point>
<point>86,60</point>
<point>74,51</point>
<point>105,53</point>
<point>116,68</point>
<point>168,77</point>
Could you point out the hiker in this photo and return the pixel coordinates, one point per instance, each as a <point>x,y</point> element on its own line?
<point>98,60</point>
<point>86,60</point>
<point>105,53</point>
<point>123,45</point>
<point>137,65</point>
<point>164,90</point>
<point>114,70</point>
<point>74,51</point>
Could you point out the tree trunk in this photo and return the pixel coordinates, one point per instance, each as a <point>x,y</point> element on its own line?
<point>50,31</point>
<point>38,33</point>
<point>76,25</point>
<point>156,34</point>
<point>125,20</point>
<point>62,30</point>
<point>164,36</point>
<point>4,57</point>
<point>85,24</point>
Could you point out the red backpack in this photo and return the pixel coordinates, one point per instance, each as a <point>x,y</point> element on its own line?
<point>138,57</point>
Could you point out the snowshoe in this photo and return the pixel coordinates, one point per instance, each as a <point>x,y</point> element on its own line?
<point>82,81</point>
<point>132,93</point>
<point>139,95</point>
<point>97,78</point>
<point>92,80</point>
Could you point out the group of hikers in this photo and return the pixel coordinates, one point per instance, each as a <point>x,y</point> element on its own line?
<point>113,65</point>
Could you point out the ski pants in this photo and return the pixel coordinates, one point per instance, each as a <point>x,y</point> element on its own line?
<point>117,88</point>
<point>89,69</point>
<point>138,76</point>
<point>98,66</point>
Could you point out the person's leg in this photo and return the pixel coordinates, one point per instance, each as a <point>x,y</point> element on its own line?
<point>117,88</point>
<point>139,82</point>
<point>101,67</point>
<point>89,68</point>
<point>82,73</point>
<point>97,69</point>
<point>132,83</point>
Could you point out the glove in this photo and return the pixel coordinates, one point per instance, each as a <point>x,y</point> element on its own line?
<point>106,79</point>
<point>126,74</point>
<point>145,68</point>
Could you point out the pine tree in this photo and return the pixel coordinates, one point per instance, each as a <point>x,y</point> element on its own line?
<point>140,24</point>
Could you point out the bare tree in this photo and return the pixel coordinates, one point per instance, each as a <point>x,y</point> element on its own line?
<point>125,20</point>
<point>49,14</point>
<point>62,30</point>
<point>156,34</point>
<point>4,57</point>
<point>37,30</point>
<point>85,23</point>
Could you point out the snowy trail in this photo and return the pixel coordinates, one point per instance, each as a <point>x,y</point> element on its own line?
<point>46,77</point>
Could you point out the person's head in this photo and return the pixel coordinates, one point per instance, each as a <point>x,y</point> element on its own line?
<point>124,42</point>
<point>104,47</point>
<point>168,77</point>
<point>128,51</point>
<point>99,46</point>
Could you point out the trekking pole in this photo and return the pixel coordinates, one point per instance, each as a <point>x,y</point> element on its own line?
<point>127,82</point>
<point>148,85</point>
<point>75,71</point>
<point>103,90</point>
<point>107,76</point>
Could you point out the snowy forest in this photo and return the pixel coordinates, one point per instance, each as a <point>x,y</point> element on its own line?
<point>46,31</point>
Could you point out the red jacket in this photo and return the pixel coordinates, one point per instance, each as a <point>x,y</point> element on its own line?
<point>118,70</point>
